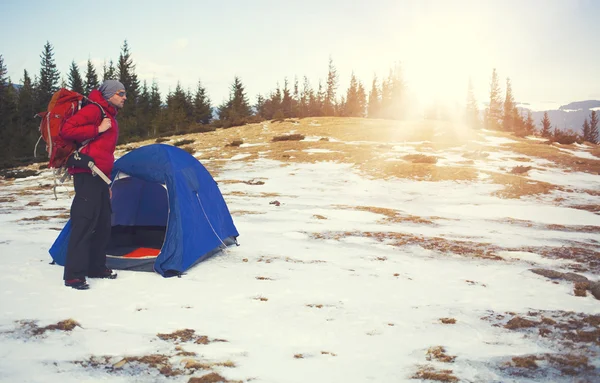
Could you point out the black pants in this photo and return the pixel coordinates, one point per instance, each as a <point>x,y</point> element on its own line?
<point>90,227</point>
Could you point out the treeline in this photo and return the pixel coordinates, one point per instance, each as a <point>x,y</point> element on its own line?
<point>504,115</point>
<point>148,114</point>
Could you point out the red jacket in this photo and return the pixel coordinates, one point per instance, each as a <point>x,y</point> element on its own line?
<point>84,125</point>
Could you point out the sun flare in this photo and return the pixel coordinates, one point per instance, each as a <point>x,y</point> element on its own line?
<point>441,57</point>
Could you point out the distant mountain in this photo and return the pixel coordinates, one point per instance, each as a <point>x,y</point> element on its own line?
<point>569,116</point>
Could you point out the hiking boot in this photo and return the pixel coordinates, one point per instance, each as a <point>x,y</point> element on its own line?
<point>77,284</point>
<point>104,274</point>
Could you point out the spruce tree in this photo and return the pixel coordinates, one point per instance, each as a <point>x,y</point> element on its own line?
<point>594,133</point>
<point>494,112</point>
<point>362,100</point>
<point>332,84</point>
<point>127,75</point>
<point>91,78</point>
<point>319,104</point>
<point>305,97</point>
<point>296,99</point>
<point>155,109</point>
<point>202,113</point>
<point>178,110</point>
<point>546,126</point>
<point>3,83</point>
<point>26,103</point>
<point>286,101</point>
<point>352,108</point>
<point>472,111</point>
<point>109,72</point>
<point>75,80</point>
<point>49,78</point>
<point>374,105</point>
<point>529,123</point>
<point>11,145</point>
<point>236,110</point>
<point>586,130</point>
<point>510,115</point>
<point>259,107</point>
<point>396,105</point>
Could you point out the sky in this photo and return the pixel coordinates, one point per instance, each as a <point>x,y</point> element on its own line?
<point>354,309</point>
<point>547,47</point>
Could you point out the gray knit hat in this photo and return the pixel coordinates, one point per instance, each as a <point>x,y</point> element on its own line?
<point>110,87</point>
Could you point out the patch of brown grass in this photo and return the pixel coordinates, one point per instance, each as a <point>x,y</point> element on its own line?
<point>439,353</point>
<point>518,322</point>
<point>517,187</point>
<point>288,137</point>
<point>7,199</point>
<point>585,257</point>
<point>420,159</point>
<point>552,153</point>
<point>442,245</point>
<point>246,212</point>
<point>187,335</point>
<point>392,215</point>
<point>526,361</point>
<point>33,329</point>
<point>213,377</point>
<point>520,169</point>
<point>448,320</point>
<point>38,218</point>
<point>430,373</point>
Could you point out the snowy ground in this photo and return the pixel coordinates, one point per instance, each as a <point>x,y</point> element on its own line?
<point>325,287</point>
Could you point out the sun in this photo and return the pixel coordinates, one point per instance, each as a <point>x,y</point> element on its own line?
<point>440,59</point>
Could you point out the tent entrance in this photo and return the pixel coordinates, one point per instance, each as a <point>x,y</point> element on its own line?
<point>139,223</point>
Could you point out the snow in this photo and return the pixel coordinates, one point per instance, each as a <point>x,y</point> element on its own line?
<point>380,304</point>
<point>579,153</point>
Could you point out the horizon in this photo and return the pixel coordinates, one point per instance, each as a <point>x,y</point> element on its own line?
<point>365,40</point>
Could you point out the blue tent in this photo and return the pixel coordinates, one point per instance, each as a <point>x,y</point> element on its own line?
<point>168,213</point>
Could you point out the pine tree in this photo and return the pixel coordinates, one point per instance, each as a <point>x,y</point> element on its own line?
<point>75,80</point>
<point>396,106</point>
<point>91,78</point>
<point>362,100</point>
<point>202,110</point>
<point>155,109</point>
<point>472,111</point>
<point>49,78</point>
<point>296,99</point>
<point>373,108</point>
<point>319,101</point>
<point>594,133</point>
<point>3,83</point>
<point>529,123</point>
<point>332,84</point>
<point>546,126</point>
<point>259,107</point>
<point>586,130</point>
<point>286,101</point>
<point>510,115</point>
<point>305,98</point>
<point>109,72</point>
<point>236,110</point>
<point>127,75</point>
<point>10,144</point>
<point>26,103</point>
<point>178,110</point>
<point>494,113</point>
<point>352,108</point>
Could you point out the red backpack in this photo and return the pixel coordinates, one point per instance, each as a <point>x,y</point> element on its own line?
<point>63,105</point>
